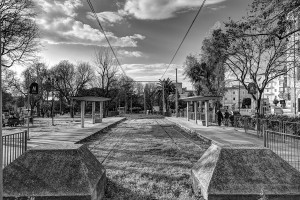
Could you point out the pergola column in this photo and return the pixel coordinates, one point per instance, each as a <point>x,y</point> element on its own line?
<point>93,111</point>
<point>187,110</point>
<point>82,113</point>
<point>101,111</point>
<point>195,111</point>
<point>206,113</point>
<point>200,108</point>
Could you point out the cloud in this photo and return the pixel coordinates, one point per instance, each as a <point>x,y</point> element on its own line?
<point>214,8</point>
<point>151,71</point>
<point>154,72</point>
<point>160,9</point>
<point>125,53</point>
<point>107,17</point>
<point>59,24</point>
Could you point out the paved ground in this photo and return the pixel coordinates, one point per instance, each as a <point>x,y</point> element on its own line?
<point>69,134</point>
<point>288,149</point>
<point>220,135</point>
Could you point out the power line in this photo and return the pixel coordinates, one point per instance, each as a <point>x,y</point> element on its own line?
<point>184,37</point>
<point>97,19</point>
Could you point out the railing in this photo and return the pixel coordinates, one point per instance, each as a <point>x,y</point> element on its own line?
<point>284,145</point>
<point>258,124</point>
<point>13,146</point>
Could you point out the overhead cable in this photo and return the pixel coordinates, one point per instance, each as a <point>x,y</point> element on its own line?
<point>99,23</point>
<point>184,37</point>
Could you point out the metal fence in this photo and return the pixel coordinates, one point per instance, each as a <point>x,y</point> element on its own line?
<point>258,125</point>
<point>285,145</point>
<point>13,146</point>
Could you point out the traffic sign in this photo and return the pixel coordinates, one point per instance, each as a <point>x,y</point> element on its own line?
<point>252,88</point>
<point>34,88</point>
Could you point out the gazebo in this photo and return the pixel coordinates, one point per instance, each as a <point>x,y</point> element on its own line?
<point>93,100</point>
<point>194,100</point>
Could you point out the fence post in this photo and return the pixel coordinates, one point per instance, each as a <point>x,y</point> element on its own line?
<point>265,138</point>
<point>25,140</point>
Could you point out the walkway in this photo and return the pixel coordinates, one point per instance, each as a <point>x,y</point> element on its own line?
<point>72,134</point>
<point>220,135</point>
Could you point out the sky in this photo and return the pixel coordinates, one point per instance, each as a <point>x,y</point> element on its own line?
<point>145,33</point>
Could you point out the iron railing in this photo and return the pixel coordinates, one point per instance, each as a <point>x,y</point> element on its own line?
<point>13,146</point>
<point>285,145</point>
<point>259,124</point>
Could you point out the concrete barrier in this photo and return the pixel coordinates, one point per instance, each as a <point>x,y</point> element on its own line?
<point>242,172</point>
<point>55,172</point>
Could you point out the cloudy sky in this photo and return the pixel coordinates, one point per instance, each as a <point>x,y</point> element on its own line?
<point>146,33</point>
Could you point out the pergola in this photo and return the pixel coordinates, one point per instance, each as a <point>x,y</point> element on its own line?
<point>93,100</point>
<point>194,100</point>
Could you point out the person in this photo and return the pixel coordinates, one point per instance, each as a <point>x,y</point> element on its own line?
<point>226,116</point>
<point>219,117</point>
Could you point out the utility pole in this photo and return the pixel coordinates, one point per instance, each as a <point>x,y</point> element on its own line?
<point>176,97</point>
<point>239,96</point>
<point>295,93</point>
<point>1,143</point>
<point>145,100</point>
<point>163,97</point>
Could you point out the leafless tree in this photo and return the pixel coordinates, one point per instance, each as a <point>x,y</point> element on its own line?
<point>19,32</point>
<point>106,67</point>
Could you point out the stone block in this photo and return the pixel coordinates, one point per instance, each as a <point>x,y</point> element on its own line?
<point>242,172</point>
<point>55,172</point>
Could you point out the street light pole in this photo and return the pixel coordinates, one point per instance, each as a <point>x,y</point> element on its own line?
<point>239,96</point>
<point>295,98</point>
<point>176,97</point>
<point>1,143</point>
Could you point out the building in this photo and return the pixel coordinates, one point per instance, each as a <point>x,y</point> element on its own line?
<point>234,96</point>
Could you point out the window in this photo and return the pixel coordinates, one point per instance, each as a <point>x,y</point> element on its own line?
<point>267,90</point>
<point>275,90</point>
<point>225,98</point>
<point>233,92</point>
<point>233,98</point>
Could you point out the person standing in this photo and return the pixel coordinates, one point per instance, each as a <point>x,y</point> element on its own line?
<point>226,116</point>
<point>219,117</point>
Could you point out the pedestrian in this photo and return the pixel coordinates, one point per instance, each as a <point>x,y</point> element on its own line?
<point>219,117</point>
<point>226,116</point>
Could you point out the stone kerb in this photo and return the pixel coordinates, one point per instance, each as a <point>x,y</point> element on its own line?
<point>55,172</point>
<point>240,172</point>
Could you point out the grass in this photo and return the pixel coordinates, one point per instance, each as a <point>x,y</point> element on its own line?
<point>145,163</point>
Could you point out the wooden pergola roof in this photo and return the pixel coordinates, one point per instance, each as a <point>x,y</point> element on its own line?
<point>91,98</point>
<point>200,98</point>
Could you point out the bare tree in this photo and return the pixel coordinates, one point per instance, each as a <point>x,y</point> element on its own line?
<point>19,32</point>
<point>69,80</point>
<point>106,69</point>
<point>258,58</point>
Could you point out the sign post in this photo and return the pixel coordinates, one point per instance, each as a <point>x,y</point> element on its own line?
<point>33,89</point>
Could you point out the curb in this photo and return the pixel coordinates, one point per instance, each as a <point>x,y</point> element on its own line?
<point>190,130</point>
<point>100,131</point>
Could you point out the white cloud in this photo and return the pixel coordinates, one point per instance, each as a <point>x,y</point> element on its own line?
<point>58,24</point>
<point>107,17</point>
<point>125,53</point>
<point>153,72</point>
<point>160,9</point>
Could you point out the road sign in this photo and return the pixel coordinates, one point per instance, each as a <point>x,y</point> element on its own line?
<point>34,88</point>
<point>252,88</point>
